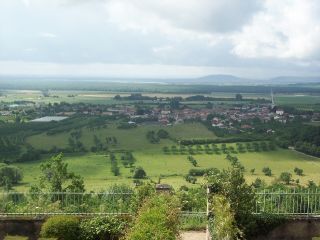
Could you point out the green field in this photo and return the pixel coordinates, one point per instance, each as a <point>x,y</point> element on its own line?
<point>303,101</point>
<point>95,168</point>
<point>299,101</point>
<point>171,167</point>
<point>128,139</point>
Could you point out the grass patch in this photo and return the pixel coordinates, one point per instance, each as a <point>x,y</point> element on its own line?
<point>16,238</point>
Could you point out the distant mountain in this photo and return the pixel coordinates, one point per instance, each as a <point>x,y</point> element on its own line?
<point>217,79</point>
<point>221,79</point>
<point>292,79</point>
<point>224,79</point>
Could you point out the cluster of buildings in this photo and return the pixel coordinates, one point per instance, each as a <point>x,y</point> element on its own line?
<point>223,116</point>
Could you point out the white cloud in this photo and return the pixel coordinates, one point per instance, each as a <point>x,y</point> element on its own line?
<point>26,2</point>
<point>273,35</point>
<point>284,29</point>
<point>47,35</point>
<point>203,20</point>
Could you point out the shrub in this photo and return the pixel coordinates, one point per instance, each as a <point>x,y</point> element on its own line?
<point>232,185</point>
<point>264,224</point>
<point>61,227</point>
<point>191,179</point>
<point>298,171</point>
<point>158,219</point>
<point>285,177</point>
<point>9,175</point>
<point>139,173</point>
<point>101,228</point>
<point>162,133</point>
<point>267,171</point>
<point>223,224</point>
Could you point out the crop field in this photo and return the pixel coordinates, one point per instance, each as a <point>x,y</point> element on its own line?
<point>300,101</point>
<point>95,168</point>
<point>303,101</point>
<point>128,139</point>
<point>166,159</point>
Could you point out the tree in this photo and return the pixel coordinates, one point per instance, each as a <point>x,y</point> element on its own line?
<point>232,185</point>
<point>162,133</point>
<point>139,173</point>
<point>174,103</point>
<point>258,183</point>
<point>9,175</point>
<point>191,179</point>
<point>298,171</point>
<point>55,175</point>
<point>238,97</point>
<point>285,177</point>
<point>267,171</point>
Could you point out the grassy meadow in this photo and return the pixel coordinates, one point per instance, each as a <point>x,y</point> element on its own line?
<point>96,168</point>
<point>170,167</point>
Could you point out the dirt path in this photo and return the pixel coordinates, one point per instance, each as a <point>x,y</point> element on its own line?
<point>193,235</point>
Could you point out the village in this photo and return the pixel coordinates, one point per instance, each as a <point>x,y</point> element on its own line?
<point>232,117</point>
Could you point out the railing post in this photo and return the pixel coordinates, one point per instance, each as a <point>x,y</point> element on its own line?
<point>308,206</point>
<point>208,212</point>
<point>264,199</point>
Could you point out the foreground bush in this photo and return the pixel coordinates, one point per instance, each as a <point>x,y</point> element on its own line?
<point>102,228</point>
<point>223,224</point>
<point>158,219</point>
<point>61,227</point>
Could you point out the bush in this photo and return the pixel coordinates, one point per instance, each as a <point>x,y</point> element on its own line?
<point>61,227</point>
<point>191,179</point>
<point>285,177</point>
<point>9,175</point>
<point>101,228</point>
<point>139,173</point>
<point>241,197</point>
<point>162,133</point>
<point>298,171</point>
<point>264,224</point>
<point>267,171</point>
<point>223,224</point>
<point>158,219</point>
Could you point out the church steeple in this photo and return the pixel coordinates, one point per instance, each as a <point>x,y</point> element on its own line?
<point>273,105</point>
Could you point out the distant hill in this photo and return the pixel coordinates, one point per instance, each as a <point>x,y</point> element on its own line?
<point>292,79</point>
<point>99,83</point>
<point>225,79</point>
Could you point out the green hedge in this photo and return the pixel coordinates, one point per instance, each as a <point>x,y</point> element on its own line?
<point>61,227</point>
<point>102,228</point>
<point>157,219</point>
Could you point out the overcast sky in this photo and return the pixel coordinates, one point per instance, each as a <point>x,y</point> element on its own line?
<point>160,38</point>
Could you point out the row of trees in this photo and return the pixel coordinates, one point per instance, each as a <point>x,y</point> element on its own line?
<point>213,148</point>
<point>114,165</point>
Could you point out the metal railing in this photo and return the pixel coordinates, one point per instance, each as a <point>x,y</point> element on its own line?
<point>288,202</point>
<point>105,203</point>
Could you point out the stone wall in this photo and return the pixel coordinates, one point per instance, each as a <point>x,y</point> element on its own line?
<point>295,229</point>
<point>22,227</point>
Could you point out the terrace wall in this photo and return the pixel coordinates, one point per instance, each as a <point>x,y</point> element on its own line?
<point>295,229</point>
<point>22,227</point>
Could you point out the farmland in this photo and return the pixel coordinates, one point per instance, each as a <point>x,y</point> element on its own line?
<point>95,168</point>
<point>88,137</point>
